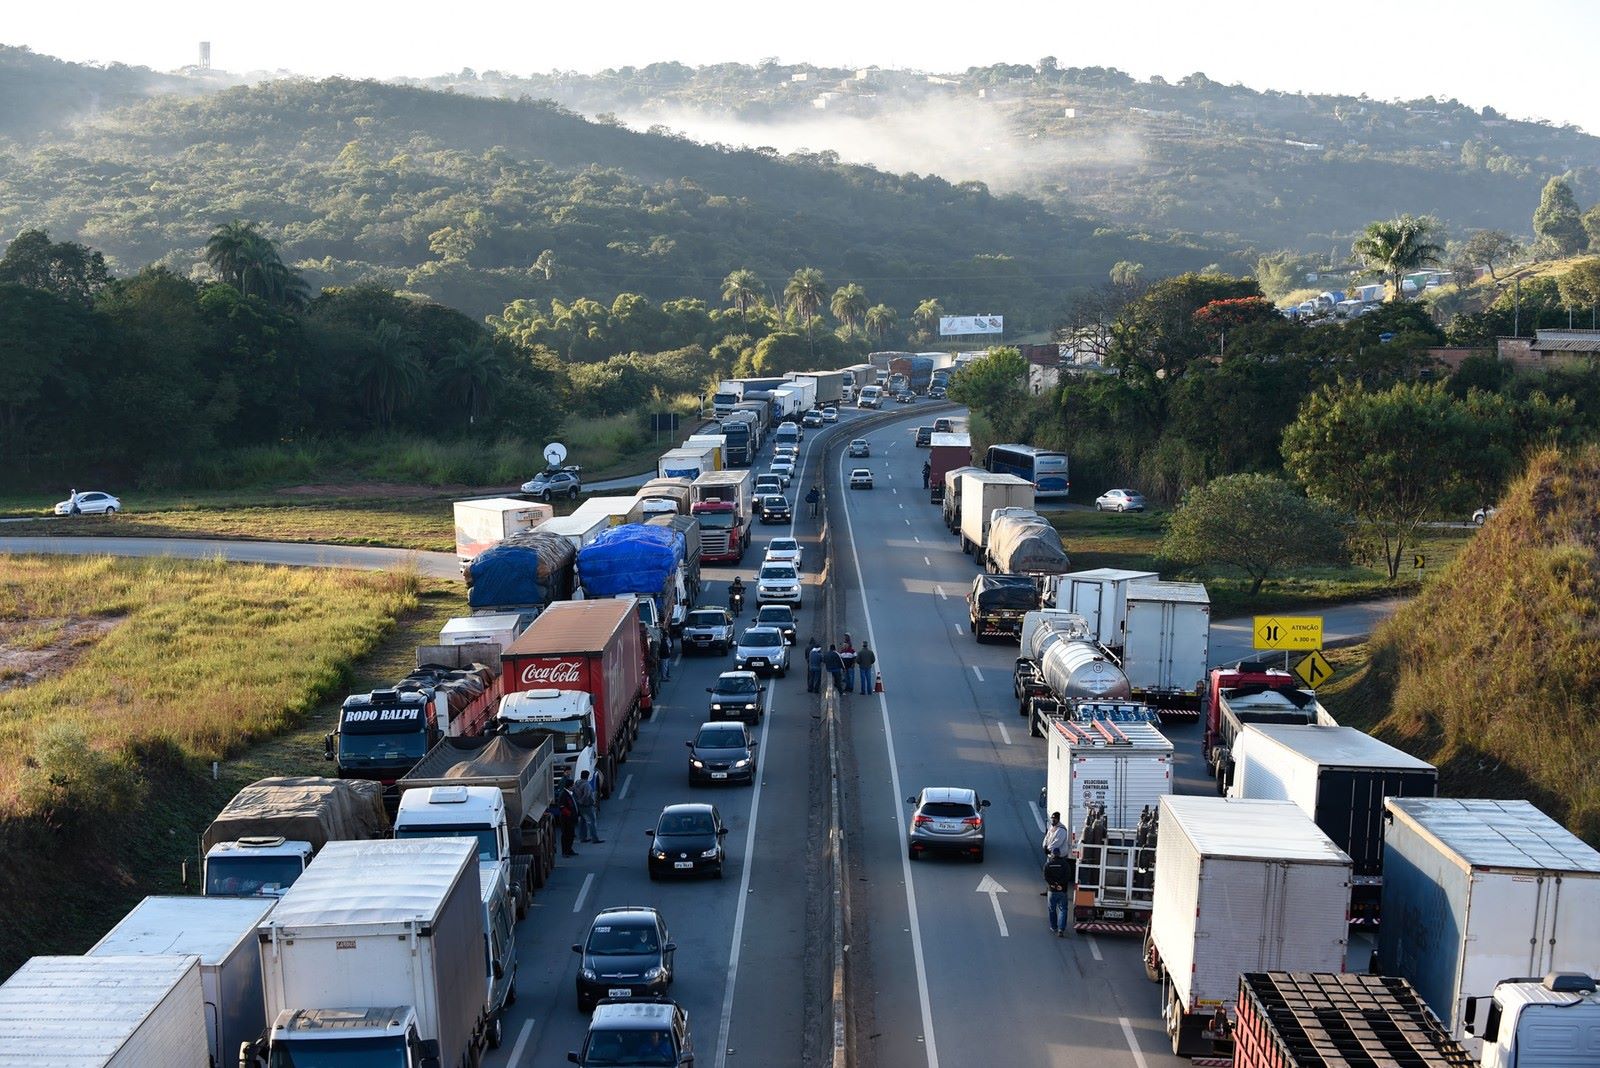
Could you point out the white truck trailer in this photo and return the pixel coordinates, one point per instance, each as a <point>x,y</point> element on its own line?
<point>221,931</point>
<point>1100,596</point>
<point>378,949</point>
<point>580,530</point>
<point>1241,886</point>
<point>105,1012</point>
<point>1166,648</point>
<point>483,524</point>
<point>981,493</point>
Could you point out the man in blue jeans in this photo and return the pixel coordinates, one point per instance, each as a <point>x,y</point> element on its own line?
<point>1058,886</point>
<point>867,660</point>
<point>814,667</point>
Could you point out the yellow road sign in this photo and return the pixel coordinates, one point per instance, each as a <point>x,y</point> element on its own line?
<point>1314,670</point>
<point>1418,561</point>
<point>1288,632</point>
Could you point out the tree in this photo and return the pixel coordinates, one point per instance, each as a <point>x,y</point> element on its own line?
<point>1591,226</point>
<point>1556,222</point>
<point>992,383</point>
<point>468,373</point>
<point>1397,246</point>
<point>71,271</point>
<point>742,289</point>
<point>880,320</point>
<point>390,374</point>
<point>545,264</point>
<point>927,314</point>
<point>245,259</point>
<point>1486,248</point>
<point>1580,285</point>
<point>1256,523</point>
<point>1391,459</point>
<point>805,294</point>
<point>1126,274</point>
<point>849,306</point>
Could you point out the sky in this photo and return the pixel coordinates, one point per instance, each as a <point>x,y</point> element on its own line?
<point>1530,60</point>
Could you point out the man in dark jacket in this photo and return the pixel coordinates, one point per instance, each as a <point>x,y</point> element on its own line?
<point>1058,877</point>
<point>813,667</point>
<point>835,665</point>
<point>566,807</point>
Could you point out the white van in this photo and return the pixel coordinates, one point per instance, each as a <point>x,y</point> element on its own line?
<point>871,397</point>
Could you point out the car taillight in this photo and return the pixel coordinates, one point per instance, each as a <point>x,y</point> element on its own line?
<point>920,820</point>
<point>973,821</point>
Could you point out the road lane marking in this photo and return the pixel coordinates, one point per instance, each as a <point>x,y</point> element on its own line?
<point>583,892</point>
<point>929,1045</point>
<point>908,522</point>
<point>1038,817</point>
<point>744,891</point>
<point>975,670</point>
<point>622,793</point>
<point>901,507</point>
<point>927,561</point>
<point>1133,1044</point>
<point>916,539</point>
<point>1004,734</point>
<point>1094,947</point>
<point>940,591</point>
<point>522,1042</point>
<point>994,890</point>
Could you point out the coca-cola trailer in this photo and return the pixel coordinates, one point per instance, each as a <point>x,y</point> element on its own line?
<point>594,647</point>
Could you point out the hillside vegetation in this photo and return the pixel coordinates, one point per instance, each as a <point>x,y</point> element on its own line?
<point>1493,671</point>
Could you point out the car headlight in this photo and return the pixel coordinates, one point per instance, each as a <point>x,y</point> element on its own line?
<point>741,763</point>
<point>716,707</point>
<point>587,974</point>
<point>751,707</point>
<point>695,762</point>
<point>709,853</point>
<point>654,975</point>
<point>661,854</point>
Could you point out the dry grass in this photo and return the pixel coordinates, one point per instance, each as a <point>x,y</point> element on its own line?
<point>412,524</point>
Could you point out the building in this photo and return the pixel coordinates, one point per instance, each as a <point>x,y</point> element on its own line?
<point>1044,366</point>
<point>1547,347</point>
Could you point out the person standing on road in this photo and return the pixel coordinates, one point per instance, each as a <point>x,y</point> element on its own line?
<point>867,660</point>
<point>814,667</point>
<point>812,497</point>
<point>1058,875</point>
<point>835,665</point>
<point>566,815</point>
<point>588,803</point>
<point>1055,836</point>
<point>847,653</point>
<point>927,473</point>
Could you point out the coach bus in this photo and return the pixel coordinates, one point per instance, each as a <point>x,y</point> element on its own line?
<point>1045,468</point>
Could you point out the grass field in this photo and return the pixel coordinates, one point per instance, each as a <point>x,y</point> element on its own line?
<point>1133,541</point>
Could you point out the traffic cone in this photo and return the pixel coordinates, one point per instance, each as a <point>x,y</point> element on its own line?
<point>877,686</point>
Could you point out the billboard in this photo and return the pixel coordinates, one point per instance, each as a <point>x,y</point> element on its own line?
<point>971,324</point>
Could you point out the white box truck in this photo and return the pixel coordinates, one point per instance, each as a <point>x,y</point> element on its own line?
<point>580,530</point>
<point>104,1012</point>
<point>716,443</point>
<point>1241,886</point>
<point>221,931</point>
<point>688,463</point>
<point>981,493</point>
<point>1477,891</point>
<point>379,949</point>
<point>612,510</point>
<point>1100,595</point>
<point>483,524</point>
<point>490,628</point>
<point>1166,646</point>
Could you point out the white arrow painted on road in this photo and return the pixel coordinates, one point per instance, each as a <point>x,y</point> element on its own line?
<point>994,890</point>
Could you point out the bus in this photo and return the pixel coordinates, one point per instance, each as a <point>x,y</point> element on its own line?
<point>1045,468</point>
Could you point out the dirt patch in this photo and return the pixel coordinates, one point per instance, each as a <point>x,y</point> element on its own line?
<point>45,647</point>
<point>385,490</point>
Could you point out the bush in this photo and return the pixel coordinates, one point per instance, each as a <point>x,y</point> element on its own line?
<point>72,786</point>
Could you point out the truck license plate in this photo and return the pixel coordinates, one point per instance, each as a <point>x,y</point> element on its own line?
<point>619,992</point>
<point>719,775</point>
<point>1113,914</point>
<point>683,864</point>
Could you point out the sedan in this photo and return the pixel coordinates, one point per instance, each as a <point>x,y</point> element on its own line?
<point>946,819</point>
<point>768,484</point>
<point>859,447</point>
<point>780,616</point>
<point>861,478</point>
<point>762,650</point>
<point>830,415</point>
<point>785,551</point>
<point>626,954</point>
<point>89,502</point>
<point>1119,500</point>
<point>775,509</point>
<point>722,752</point>
<point>905,396</point>
<point>811,419</point>
<point>784,469</point>
<point>687,840</point>
<point>737,695</point>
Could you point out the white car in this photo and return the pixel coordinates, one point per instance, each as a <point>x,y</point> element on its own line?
<point>89,502</point>
<point>830,415</point>
<point>1119,500</point>
<point>1480,517</point>
<point>859,447</point>
<point>861,478</point>
<point>786,451</point>
<point>763,651</point>
<point>784,551</point>
<point>783,468</point>
<point>778,583</point>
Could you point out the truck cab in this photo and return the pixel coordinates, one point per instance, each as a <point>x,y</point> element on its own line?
<point>382,734</point>
<point>387,1036</point>
<point>258,866</point>
<point>567,716</point>
<point>477,812</point>
<point>722,535</point>
<point>1251,692</point>
<point>1552,1022</point>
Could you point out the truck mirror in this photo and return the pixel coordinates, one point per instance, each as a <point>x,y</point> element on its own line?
<point>710,690</point>
<point>670,947</point>
<point>327,747</point>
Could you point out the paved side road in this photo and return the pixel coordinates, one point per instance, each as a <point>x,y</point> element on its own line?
<point>299,554</point>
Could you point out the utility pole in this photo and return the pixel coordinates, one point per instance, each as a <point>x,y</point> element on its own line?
<point>1516,320</point>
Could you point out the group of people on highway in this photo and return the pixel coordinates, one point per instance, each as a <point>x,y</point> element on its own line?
<point>1058,875</point>
<point>577,810</point>
<point>842,662</point>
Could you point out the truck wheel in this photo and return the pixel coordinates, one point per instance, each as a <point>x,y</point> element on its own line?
<point>495,1034</point>
<point>1152,959</point>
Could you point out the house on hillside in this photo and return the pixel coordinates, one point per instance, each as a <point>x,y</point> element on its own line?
<point>1547,347</point>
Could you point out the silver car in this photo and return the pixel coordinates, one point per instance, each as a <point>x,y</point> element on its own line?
<point>947,819</point>
<point>763,650</point>
<point>1119,500</point>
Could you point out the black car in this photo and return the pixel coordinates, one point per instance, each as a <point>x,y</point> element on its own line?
<point>780,616</point>
<point>648,1034</point>
<point>905,396</point>
<point>627,954</point>
<point>737,695</point>
<point>687,840</point>
<point>775,509</point>
<point>722,752</point>
<point>924,436</point>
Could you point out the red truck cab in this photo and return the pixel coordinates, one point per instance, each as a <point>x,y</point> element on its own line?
<point>1251,692</point>
<point>724,533</point>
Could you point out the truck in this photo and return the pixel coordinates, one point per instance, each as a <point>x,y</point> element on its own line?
<point>722,504</point>
<point>1250,691</point>
<point>743,440</point>
<point>802,393</point>
<point>787,404</point>
<point>500,916</point>
<point>491,629</point>
<point>105,1012</point>
<point>483,524</point>
<point>524,573</point>
<point>689,463</point>
<point>1316,1019</point>
<point>760,412</point>
<point>1477,891</point>
<point>828,385</point>
<point>946,452</point>
<point>1552,1022</point>
<point>614,510</point>
<point>492,789</point>
<point>377,953</point>
<point>592,648</point>
<point>951,504</point>
<point>266,836</point>
<point>576,530</point>
<point>1100,596</point>
<point>1241,886</point>
<point>715,441</point>
<point>221,932</point>
<point>644,564</point>
<point>981,494</point>
<point>729,392</point>
<point>916,370</point>
<point>680,491</point>
<point>855,377</point>
<point>1025,544</point>
<point>1107,779</point>
<point>1339,776</point>
<point>1166,645</point>
<point>1059,666</point>
<point>381,734</point>
<point>996,605</point>
<point>688,528</point>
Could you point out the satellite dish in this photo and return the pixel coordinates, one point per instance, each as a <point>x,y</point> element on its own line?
<point>554,453</point>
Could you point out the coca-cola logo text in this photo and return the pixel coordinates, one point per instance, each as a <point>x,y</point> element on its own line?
<point>557,673</point>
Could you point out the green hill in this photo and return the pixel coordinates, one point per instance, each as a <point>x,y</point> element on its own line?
<point>1493,672</point>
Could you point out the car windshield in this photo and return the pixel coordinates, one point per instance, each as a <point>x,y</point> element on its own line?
<point>684,823</point>
<point>778,571</point>
<point>388,1051</point>
<point>707,619</point>
<point>239,875</point>
<point>630,1047</point>
<point>716,520</point>
<point>775,613</point>
<point>719,738</point>
<point>488,847</point>
<point>761,639</point>
<point>617,940</point>
<point>947,810</point>
<point>736,684</point>
<point>783,545</point>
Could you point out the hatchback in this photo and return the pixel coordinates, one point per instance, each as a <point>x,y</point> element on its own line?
<point>947,819</point>
<point>830,415</point>
<point>687,840</point>
<point>1119,500</point>
<point>648,1035</point>
<point>859,447</point>
<point>626,954</point>
<point>737,695</point>
<point>722,752</point>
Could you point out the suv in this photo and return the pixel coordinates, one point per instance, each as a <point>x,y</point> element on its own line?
<point>947,819</point>
<point>708,629</point>
<point>780,616</point>
<point>722,752</point>
<point>775,509</point>
<point>737,695</point>
<point>652,1034</point>
<point>859,447</point>
<point>924,436</point>
<point>626,954</point>
<point>556,482</point>
<point>778,583</point>
<point>943,426</point>
<point>811,419</point>
<point>762,649</point>
<point>936,393</point>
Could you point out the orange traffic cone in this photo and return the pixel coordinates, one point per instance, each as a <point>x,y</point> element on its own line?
<point>878,686</point>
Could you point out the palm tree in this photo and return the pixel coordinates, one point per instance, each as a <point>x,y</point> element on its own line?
<point>849,306</point>
<point>391,374</point>
<point>546,263</point>
<point>468,374</point>
<point>230,249</point>
<point>804,294</point>
<point>248,261</point>
<point>928,313</point>
<point>742,289</point>
<point>880,320</point>
<point>1397,246</point>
